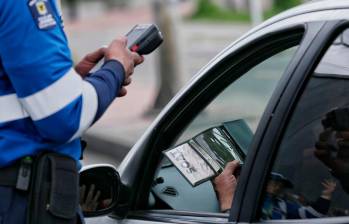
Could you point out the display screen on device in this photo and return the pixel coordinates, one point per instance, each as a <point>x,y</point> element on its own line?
<point>133,36</point>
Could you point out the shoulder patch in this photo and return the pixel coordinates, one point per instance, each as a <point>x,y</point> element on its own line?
<point>42,13</point>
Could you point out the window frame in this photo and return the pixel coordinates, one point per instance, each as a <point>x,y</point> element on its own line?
<point>145,155</point>
<point>250,55</point>
<point>319,37</point>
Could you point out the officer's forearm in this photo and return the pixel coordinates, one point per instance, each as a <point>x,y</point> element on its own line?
<point>107,81</point>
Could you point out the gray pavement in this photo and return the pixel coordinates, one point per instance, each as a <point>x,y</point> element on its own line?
<point>124,122</point>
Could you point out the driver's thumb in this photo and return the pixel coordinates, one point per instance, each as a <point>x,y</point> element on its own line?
<point>231,166</point>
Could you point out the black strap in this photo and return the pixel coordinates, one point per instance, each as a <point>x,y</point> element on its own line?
<point>8,175</point>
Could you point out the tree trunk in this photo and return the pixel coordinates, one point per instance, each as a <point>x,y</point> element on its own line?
<point>72,6</point>
<point>168,55</point>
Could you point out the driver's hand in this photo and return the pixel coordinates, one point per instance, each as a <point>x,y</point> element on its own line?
<point>225,185</point>
<point>89,201</point>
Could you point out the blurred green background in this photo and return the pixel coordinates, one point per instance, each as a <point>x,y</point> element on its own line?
<point>214,10</point>
<point>210,10</point>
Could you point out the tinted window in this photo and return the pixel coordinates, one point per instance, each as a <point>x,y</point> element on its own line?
<point>311,172</point>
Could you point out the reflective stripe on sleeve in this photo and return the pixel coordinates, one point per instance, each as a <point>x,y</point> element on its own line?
<point>43,104</point>
<point>302,213</point>
<point>313,212</point>
<point>55,97</point>
<point>11,109</point>
<point>89,108</point>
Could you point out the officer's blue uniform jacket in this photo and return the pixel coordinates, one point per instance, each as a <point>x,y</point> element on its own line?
<point>44,103</point>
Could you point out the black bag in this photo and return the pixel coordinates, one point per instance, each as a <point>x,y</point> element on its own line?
<point>54,190</point>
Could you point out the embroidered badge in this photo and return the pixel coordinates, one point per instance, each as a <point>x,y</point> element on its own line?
<point>42,13</point>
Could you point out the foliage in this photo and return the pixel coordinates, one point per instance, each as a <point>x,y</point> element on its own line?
<point>206,9</point>
<point>209,11</point>
<point>281,5</point>
<point>285,4</point>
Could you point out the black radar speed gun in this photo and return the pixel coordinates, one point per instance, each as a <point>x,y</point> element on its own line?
<point>144,38</point>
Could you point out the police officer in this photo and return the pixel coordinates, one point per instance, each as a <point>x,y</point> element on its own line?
<point>46,104</point>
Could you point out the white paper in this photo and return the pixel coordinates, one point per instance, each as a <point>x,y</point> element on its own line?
<point>190,164</point>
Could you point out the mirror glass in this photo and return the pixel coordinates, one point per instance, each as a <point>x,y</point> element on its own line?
<point>99,188</point>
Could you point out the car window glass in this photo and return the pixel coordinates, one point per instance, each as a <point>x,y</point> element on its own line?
<point>310,175</point>
<point>245,99</point>
<point>220,133</point>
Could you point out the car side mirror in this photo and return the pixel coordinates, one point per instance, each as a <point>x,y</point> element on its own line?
<point>99,189</point>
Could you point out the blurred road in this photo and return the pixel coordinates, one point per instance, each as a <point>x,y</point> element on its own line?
<point>124,122</point>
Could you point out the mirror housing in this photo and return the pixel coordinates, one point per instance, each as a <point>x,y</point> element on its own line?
<point>99,189</point>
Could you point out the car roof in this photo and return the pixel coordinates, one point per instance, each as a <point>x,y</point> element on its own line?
<point>306,8</point>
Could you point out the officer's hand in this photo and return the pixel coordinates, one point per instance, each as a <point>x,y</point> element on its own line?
<point>225,185</point>
<point>89,61</point>
<point>118,50</point>
<point>123,90</point>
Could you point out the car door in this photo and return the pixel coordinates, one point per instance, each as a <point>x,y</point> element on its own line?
<point>295,147</point>
<point>140,167</point>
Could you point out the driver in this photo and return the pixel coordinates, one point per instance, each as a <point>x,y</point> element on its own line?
<point>276,205</point>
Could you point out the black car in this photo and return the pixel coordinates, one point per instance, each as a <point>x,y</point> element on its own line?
<point>293,74</point>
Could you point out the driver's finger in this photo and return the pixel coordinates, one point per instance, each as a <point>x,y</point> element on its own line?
<point>231,166</point>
